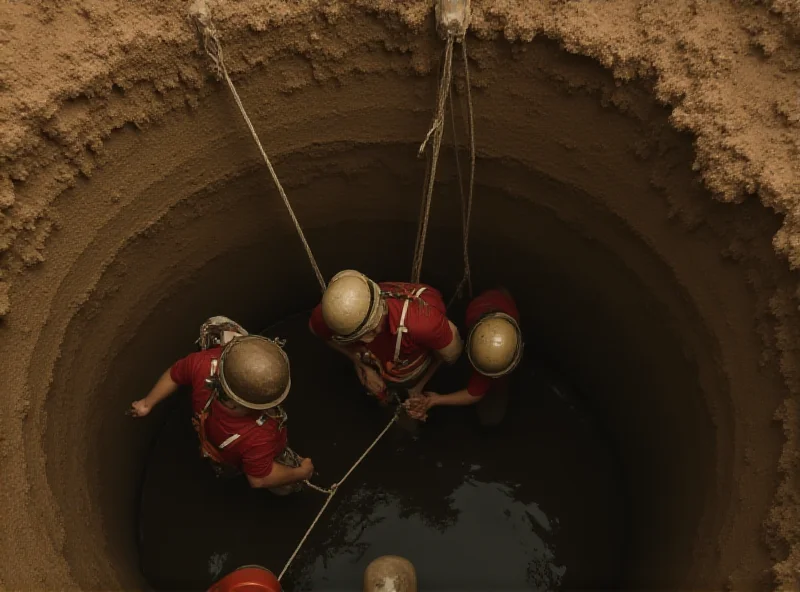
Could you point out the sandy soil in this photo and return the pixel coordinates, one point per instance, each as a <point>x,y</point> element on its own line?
<point>111,127</point>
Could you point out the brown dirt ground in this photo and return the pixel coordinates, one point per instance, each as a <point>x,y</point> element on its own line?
<point>77,76</point>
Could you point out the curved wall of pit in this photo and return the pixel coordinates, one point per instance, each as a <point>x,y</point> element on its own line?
<point>131,191</point>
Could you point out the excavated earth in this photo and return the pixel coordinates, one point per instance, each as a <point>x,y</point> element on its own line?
<point>637,188</point>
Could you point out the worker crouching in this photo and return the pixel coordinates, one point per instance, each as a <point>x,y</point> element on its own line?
<point>396,334</point>
<point>494,349</point>
<point>238,384</point>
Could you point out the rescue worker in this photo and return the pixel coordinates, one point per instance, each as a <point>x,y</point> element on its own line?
<point>396,334</point>
<point>238,383</point>
<point>494,348</point>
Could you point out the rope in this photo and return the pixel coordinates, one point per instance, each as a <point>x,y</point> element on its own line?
<point>213,48</point>
<point>310,485</point>
<point>332,491</point>
<point>434,135</point>
<point>466,207</point>
<point>295,462</point>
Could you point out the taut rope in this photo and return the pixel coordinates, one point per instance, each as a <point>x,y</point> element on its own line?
<point>213,48</point>
<point>466,204</point>
<point>435,136</point>
<point>332,491</point>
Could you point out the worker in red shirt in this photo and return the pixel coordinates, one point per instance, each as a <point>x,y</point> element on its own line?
<point>494,348</point>
<point>396,334</point>
<point>238,383</point>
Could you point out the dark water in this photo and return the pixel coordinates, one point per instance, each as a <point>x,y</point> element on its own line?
<point>537,503</point>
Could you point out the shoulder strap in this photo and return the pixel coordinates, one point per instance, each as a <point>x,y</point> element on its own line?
<point>210,382</point>
<point>262,419</point>
<point>401,328</point>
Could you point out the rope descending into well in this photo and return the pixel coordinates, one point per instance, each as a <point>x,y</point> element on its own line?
<point>332,491</point>
<point>434,136</point>
<point>466,204</point>
<point>213,48</point>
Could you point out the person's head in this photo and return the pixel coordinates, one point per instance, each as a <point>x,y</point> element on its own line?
<point>253,374</point>
<point>353,307</point>
<point>494,345</point>
<point>390,573</point>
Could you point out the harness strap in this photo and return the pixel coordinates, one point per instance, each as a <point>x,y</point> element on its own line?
<point>229,440</point>
<point>212,373</point>
<point>201,423</point>
<point>402,327</point>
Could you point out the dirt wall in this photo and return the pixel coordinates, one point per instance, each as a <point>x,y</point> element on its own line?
<point>112,130</point>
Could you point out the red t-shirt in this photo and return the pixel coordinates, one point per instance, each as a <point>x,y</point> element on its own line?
<point>488,302</point>
<point>426,321</point>
<point>256,449</point>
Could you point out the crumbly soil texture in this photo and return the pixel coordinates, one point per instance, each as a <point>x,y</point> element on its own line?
<point>637,189</point>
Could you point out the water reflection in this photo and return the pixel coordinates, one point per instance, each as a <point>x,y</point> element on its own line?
<point>486,540</point>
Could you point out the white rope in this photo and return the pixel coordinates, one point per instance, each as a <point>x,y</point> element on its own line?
<point>310,485</point>
<point>466,212</point>
<point>435,136</point>
<point>213,48</point>
<point>334,488</point>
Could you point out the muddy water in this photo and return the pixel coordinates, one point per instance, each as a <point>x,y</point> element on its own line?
<point>535,504</point>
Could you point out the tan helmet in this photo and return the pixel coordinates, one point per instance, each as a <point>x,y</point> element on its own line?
<point>390,573</point>
<point>494,346</point>
<point>351,306</point>
<point>254,372</point>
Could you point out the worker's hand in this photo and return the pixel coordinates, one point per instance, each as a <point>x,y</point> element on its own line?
<point>371,380</point>
<point>418,406</point>
<point>306,468</point>
<point>140,408</point>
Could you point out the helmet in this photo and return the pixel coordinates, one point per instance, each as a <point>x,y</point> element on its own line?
<point>254,372</point>
<point>351,306</point>
<point>494,345</point>
<point>390,572</point>
<point>248,578</point>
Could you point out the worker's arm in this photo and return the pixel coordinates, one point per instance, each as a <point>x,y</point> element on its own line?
<point>162,389</point>
<point>418,388</point>
<point>457,398</point>
<point>448,354</point>
<point>451,352</point>
<point>418,406</point>
<point>283,475</point>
